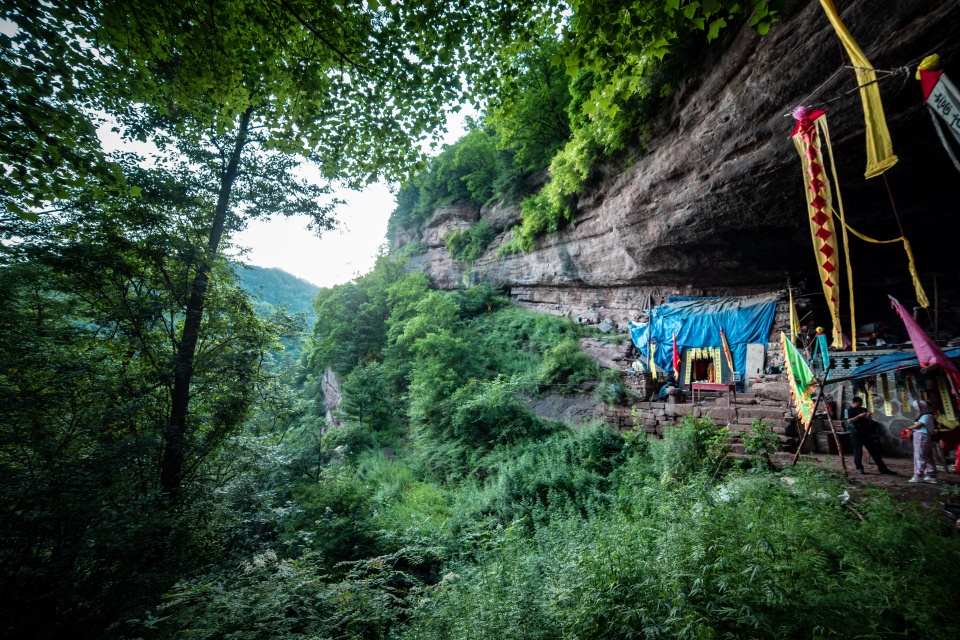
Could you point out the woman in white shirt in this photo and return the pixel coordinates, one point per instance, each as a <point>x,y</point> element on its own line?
<point>923,468</point>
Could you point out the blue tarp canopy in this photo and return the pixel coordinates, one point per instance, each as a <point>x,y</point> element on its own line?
<point>697,323</point>
<point>894,361</point>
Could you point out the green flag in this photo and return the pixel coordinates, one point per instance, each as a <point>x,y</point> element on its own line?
<point>801,381</point>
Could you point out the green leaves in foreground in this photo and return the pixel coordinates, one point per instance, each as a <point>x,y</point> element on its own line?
<point>733,559</point>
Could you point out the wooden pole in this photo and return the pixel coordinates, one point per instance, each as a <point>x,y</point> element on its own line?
<point>806,430</point>
<point>836,438</point>
<point>936,312</point>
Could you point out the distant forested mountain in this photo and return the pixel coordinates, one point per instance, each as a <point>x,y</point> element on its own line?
<point>272,287</point>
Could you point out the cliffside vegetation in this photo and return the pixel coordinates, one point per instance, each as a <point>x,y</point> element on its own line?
<point>564,102</point>
<point>164,475</point>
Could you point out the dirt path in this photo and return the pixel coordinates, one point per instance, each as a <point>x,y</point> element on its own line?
<point>933,495</point>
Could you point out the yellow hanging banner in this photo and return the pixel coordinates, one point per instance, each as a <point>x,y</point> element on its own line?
<point>949,417</point>
<point>880,156</point>
<point>884,386</point>
<point>806,138</point>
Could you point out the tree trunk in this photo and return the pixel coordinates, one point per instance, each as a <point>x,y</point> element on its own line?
<point>174,436</point>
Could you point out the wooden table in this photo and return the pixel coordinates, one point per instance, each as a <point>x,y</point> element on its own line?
<point>699,387</point>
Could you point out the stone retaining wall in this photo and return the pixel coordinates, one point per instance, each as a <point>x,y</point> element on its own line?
<point>765,403</point>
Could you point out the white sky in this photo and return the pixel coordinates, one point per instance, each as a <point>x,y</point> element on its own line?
<point>285,243</point>
<point>336,257</point>
<point>340,255</point>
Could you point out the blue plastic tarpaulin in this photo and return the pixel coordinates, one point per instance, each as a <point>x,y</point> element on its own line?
<point>697,323</point>
<point>894,361</point>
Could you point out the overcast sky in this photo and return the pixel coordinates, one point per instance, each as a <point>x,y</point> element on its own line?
<point>340,255</point>
<point>336,257</point>
<point>285,243</point>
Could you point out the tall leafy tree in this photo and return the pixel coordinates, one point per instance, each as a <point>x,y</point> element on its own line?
<point>93,299</point>
<point>229,82</point>
<point>531,110</point>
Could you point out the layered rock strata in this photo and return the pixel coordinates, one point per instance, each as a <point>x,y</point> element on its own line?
<point>713,204</point>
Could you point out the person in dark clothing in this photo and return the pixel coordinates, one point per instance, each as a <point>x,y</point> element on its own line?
<point>664,393</point>
<point>863,435</point>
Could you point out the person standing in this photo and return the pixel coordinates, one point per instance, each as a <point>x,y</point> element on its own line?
<point>863,435</point>
<point>924,470</point>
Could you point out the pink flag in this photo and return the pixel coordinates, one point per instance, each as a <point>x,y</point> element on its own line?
<point>928,352</point>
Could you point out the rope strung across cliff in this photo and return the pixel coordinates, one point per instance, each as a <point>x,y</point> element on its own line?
<point>887,74</point>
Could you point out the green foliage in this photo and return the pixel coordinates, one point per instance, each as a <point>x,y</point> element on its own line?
<point>464,172</point>
<point>367,397</point>
<point>475,163</point>
<point>531,112</point>
<point>699,560</point>
<point>347,441</point>
<point>268,596</point>
<point>468,245</point>
<point>514,342</point>
<point>623,44</point>
<point>352,319</point>
<point>489,413</point>
<point>49,148</point>
<point>442,364</point>
<point>92,305</point>
<point>564,473</point>
<point>761,443</point>
<point>695,445</point>
<point>565,366</point>
<point>611,389</point>
<point>332,517</point>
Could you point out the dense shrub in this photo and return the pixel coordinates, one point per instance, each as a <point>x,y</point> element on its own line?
<point>761,443</point>
<point>468,245</point>
<point>487,413</point>
<point>368,398</point>
<point>332,517</point>
<point>611,389</point>
<point>351,439</point>
<point>695,445</point>
<point>750,558</point>
<point>565,366</point>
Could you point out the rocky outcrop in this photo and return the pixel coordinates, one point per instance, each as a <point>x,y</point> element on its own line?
<point>577,409</point>
<point>332,396</point>
<point>713,203</point>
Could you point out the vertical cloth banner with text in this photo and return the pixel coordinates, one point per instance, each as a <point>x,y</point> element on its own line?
<point>943,100</point>
<point>794,321</point>
<point>676,358</point>
<point>807,141</point>
<point>726,350</point>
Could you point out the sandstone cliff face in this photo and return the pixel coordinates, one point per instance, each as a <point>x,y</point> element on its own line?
<point>714,204</point>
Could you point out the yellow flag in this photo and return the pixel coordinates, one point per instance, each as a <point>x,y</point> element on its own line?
<point>880,156</point>
<point>794,321</point>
